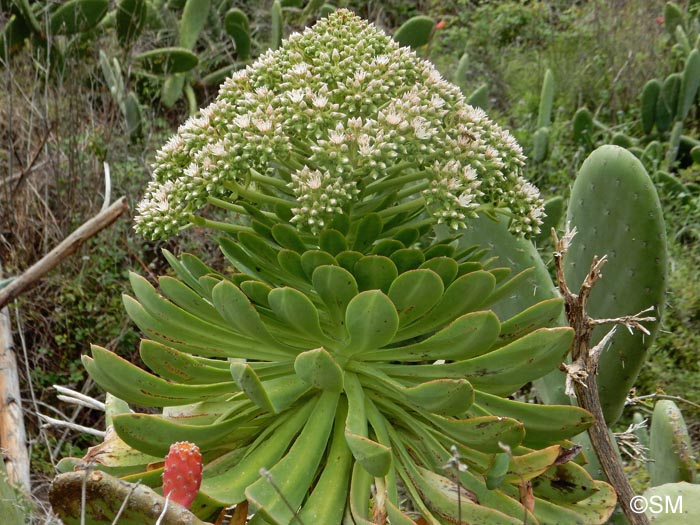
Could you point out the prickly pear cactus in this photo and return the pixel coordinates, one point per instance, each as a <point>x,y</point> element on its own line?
<point>670,448</point>
<point>674,503</point>
<point>415,32</point>
<point>616,211</point>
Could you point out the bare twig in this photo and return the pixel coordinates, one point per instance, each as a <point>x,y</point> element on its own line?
<point>108,187</point>
<point>53,422</point>
<point>582,373</point>
<point>72,396</point>
<point>638,399</point>
<point>66,248</point>
<point>126,500</point>
<point>165,509</point>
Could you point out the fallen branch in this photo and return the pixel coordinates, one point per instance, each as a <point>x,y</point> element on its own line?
<point>582,373</point>
<point>67,247</point>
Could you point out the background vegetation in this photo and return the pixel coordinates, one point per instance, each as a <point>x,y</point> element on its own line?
<point>59,122</point>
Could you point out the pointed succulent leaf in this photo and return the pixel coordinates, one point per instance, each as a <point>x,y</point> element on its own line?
<point>134,385</point>
<point>153,434</point>
<point>468,336</point>
<point>287,482</point>
<point>229,486</point>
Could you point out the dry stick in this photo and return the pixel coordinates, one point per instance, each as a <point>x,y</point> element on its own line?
<point>13,439</point>
<point>67,247</point>
<point>638,399</point>
<point>583,375</point>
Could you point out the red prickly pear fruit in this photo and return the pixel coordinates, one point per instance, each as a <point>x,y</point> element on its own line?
<point>182,475</point>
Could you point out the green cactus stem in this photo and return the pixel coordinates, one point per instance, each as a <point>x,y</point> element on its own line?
<point>325,10</point>
<point>622,140</point>
<point>277,25</point>
<point>616,211</point>
<point>544,116</point>
<point>687,493</point>
<point>78,16</point>
<point>674,143</point>
<point>460,75</point>
<point>673,17</point>
<point>237,26</point>
<point>13,37</point>
<point>695,154</point>
<point>479,98</point>
<point>540,145</point>
<point>667,105</point>
<point>132,115</point>
<point>415,32</point>
<point>130,19</point>
<point>194,16</point>
<point>583,126</point>
<point>24,7</point>
<point>649,101</point>
<point>171,91</point>
<point>669,446</point>
<point>689,83</point>
<point>167,60</point>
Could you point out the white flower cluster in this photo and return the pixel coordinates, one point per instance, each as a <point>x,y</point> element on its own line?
<point>453,193</point>
<point>320,195</point>
<point>338,118</point>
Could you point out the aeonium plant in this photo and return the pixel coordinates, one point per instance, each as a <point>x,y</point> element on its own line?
<point>350,370</point>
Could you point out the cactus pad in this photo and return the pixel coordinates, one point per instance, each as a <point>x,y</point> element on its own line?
<point>615,208</point>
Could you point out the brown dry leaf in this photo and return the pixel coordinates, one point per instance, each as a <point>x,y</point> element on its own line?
<point>240,514</point>
<point>527,498</point>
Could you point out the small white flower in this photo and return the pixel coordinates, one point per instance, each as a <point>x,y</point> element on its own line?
<point>355,122</point>
<point>262,125</point>
<point>242,121</point>
<point>319,101</point>
<point>300,69</point>
<point>296,95</point>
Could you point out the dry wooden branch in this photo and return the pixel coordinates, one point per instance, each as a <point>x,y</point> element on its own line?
<point>12,434</point>
<point>582,373</point>
<point>104,499</point>
<point>67,247</point>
